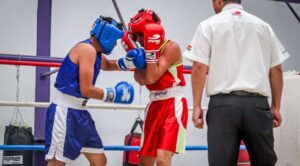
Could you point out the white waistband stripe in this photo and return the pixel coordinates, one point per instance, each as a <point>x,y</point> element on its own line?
<point>69,101</point>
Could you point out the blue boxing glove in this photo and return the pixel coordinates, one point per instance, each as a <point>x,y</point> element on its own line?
<point>123,93</point>
<point>140,60</point>
<point>135,58</point>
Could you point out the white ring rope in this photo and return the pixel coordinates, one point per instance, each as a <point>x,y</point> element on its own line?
<point>88,106</point>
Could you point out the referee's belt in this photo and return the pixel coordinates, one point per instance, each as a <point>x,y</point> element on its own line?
<point>243,93</point>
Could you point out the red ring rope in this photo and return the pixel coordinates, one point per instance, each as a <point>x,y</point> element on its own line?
<point>30,63</point>
<point>48,64</point>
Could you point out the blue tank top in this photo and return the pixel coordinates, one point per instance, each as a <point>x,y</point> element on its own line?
<point>67,80</point>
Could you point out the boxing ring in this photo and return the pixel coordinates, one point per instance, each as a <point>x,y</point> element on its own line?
<point>43,62</point>
<point>34,61</point>
<point>55,62</point>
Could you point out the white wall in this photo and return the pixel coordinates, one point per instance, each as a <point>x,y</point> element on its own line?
<point>287,137</point>
<point>71,21</point>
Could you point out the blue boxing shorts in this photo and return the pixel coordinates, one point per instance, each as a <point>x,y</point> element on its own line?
<point>70,129</point>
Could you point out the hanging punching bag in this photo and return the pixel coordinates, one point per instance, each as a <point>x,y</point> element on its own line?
<point>17,135</point>
<point>131,158</point>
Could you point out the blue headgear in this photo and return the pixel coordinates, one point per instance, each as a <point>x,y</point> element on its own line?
<point>107,31</point>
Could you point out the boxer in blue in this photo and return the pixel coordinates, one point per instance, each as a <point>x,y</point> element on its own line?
<point>70,129</point>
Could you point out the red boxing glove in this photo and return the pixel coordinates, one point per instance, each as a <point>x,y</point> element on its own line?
<point>128,42</point>
<point>154,36</point>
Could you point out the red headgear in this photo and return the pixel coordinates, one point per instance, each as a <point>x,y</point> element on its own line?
<point>142,18</point>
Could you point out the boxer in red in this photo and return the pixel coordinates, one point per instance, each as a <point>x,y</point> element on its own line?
<point>166,115</point>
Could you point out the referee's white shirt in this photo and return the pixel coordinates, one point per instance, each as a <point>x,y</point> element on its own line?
<point>239,49</point>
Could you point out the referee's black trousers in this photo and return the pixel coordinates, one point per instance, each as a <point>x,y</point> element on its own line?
<point>232,118</point>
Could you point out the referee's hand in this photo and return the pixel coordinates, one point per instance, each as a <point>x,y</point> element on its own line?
<point>198,117</point>
<point>276,117</point>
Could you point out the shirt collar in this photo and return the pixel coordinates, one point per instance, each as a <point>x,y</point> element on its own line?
<point>232,6</point>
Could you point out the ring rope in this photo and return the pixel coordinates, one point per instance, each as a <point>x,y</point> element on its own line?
<point>186,70</point>
<point>108,148</point>
<point>88,106</point>
<point>30,63</point>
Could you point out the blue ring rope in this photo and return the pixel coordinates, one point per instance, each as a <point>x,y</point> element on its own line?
<point>109,148</point>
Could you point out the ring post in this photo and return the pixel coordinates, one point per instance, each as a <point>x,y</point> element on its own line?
<point>42,89</point>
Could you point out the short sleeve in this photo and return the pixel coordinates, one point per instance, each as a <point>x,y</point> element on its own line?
<point>278,52</point>
<point>199,48</point>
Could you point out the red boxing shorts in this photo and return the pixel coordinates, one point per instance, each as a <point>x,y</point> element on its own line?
<point>165,123</point>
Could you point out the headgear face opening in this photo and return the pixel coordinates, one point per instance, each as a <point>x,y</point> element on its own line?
<point>138,22</point>
<point>107,31</point>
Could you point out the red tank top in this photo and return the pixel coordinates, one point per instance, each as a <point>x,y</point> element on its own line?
<point>171,78</point>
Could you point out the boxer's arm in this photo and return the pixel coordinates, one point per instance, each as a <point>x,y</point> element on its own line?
<point>108,65</point>
<point>140,76</point>
<point>136,59</point>
<point>123,92</point>
<point>86,60</point>
<point>170,55</point>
